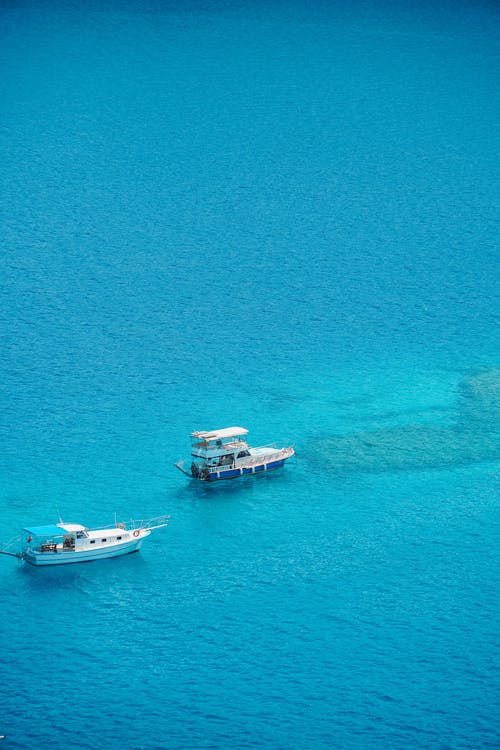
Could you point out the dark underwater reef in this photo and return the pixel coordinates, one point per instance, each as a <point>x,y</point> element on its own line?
<point>473,438</point>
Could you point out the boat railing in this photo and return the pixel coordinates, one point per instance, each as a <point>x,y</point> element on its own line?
<point>150,523</point>
<point>278,446</point>
<point>255,460</point>
<point>134,523</point>
<point>14,544</point>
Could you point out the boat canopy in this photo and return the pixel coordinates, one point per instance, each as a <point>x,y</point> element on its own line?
<point>70,527</point>
<point>49,530</point>
<point>228,432</point>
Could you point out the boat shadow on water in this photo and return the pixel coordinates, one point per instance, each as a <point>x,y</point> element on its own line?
<point>48,577</point>
<point>229,489</point>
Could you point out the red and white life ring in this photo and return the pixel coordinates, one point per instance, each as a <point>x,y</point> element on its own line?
<point>136,532</point>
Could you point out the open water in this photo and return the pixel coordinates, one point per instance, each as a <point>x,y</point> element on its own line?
<point>279,215</point>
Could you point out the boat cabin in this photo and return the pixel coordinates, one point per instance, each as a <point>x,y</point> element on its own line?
<point>219,447</point>
<point>71,536</point>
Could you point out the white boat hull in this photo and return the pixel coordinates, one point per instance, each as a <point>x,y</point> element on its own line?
<point>36,557</point>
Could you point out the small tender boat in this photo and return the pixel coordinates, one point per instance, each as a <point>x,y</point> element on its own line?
<point>64,543</point>
<point>225,454</point>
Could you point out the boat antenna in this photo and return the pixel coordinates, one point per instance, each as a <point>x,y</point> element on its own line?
<point>59,516</point>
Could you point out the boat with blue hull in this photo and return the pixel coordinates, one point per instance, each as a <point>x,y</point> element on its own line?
<point>64,543</point>
<point>225,454</point>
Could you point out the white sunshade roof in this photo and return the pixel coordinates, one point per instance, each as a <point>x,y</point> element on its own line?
<point>228,432</point>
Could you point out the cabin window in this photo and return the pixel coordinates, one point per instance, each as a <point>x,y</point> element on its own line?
<point>104,540</point>
<point>92,541</point>
<point>118,537</point>
<point>243,454</point>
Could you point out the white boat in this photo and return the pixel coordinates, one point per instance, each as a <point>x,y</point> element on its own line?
<point>63,543</point>
<point>225,454</point>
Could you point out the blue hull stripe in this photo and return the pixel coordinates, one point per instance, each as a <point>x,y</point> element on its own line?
<point>233,473</point>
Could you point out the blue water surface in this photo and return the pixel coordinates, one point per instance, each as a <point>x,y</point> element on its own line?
<point>280,215</point>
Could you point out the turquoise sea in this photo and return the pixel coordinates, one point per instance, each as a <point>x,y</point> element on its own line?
<point>281,215</point>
